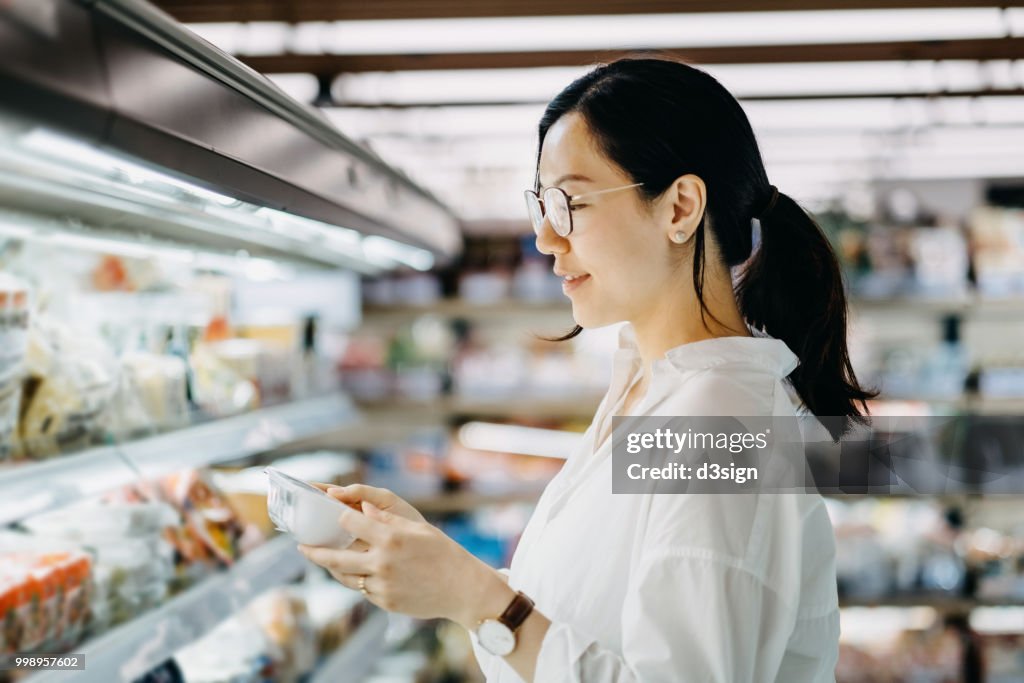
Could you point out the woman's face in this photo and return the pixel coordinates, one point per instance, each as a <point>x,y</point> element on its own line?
<point>618,246</point>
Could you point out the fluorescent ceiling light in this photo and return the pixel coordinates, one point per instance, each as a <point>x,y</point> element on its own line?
<point>742,80</point>
<point>997,620</point>
<point>522,34</point>
<point>301,87</point>
<point>495,121</point>
<point>500,438</point>
<point>444,121</point>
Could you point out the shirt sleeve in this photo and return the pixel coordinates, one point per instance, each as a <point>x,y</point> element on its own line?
<point>690,616</point>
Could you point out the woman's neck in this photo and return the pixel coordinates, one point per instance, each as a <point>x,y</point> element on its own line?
<point>676,319</point>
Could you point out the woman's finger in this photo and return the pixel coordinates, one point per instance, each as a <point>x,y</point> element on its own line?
<point>341,561</point>
<point>329,490</point>
<point>355,494</point>
<point>373,531</point>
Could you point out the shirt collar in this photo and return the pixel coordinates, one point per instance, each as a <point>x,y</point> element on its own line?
<point>761,350</point>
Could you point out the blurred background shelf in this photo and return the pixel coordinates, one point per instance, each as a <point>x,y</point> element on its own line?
<point>941,603</point>
<point>468,501</point>
<point>444,408</point>
<point>358,655</point>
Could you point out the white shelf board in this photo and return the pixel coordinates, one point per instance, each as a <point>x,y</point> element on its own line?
<point>31,488</point>
<point>133,648</point>
<point>356,657</point>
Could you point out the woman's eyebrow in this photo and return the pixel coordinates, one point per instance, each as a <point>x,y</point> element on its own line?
<point>568,176</point>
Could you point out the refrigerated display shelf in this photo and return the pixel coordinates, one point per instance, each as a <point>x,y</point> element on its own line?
<point>947,604</point>
<point>467,501</point>
<point>973,304</point>
<point>357,656</point>
<point>31,488</point>
<point>972,404</point>
<point>460,308</point>
<point>135,647</point>
<point>577,407</point>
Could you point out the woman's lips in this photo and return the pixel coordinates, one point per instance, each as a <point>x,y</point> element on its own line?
<point>574,284</point>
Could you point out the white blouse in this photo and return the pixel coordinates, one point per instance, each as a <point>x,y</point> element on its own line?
<point>678,588</point>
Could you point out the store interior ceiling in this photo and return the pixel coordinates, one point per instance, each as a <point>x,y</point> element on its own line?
<point>844,96</point>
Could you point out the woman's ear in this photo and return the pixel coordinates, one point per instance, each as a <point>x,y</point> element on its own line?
<point>686,199</point>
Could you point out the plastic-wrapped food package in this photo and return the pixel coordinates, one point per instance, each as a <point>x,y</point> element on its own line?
<point>45,595</point>
<point>160,383</point>
<point>213,532</point>
<point>335,611</point>
<point>237,651</point>
<point>131,577</point>
<point>282,616</point>
<point>133,565</point>
<point>71,380</point>
<point>14,315</point>
<point>222,386</point>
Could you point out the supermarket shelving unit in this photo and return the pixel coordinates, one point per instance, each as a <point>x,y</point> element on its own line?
<point>146,641</point>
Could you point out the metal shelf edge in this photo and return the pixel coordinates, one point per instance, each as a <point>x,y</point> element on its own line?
<point>358,654</point>
<point>37,487</point>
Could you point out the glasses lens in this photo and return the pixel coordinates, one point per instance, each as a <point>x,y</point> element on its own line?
<point>535,211</point>
<point>557,204</point>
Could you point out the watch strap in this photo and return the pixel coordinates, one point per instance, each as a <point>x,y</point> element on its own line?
<point>517,611</point>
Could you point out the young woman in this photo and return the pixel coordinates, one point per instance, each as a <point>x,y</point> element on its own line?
<point>648,179</point>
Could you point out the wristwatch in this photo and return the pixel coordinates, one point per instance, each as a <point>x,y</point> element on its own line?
<point>498,636</point>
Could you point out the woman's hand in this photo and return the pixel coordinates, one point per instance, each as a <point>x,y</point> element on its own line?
<point>413,567</point>
<point>382,499</point>
<point>353,496</point>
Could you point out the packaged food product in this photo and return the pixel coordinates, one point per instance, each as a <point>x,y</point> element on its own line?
<point>246,489</point>
<point>133,565</point>
<point>99,521</point>
<point>283,617</point>
<point>44,596</point>
<point>221,386</point>
<point>209,518</point>
<point>71,379</point>
<point>14,315</point>
<point>160,383</point>
<point>305,512</point>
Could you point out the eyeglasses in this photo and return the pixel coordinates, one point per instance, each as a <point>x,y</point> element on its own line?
<point>558,206</point>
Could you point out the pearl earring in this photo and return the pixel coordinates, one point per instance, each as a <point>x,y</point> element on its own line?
<point>679,237</point>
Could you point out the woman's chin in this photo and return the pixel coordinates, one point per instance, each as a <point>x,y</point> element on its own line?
<point>588,319</point>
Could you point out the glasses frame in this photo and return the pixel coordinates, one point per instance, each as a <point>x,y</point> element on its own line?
<point>533,198</point>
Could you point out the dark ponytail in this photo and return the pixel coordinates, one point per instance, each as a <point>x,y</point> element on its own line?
<point>659,119</point>
<point>792,288</point>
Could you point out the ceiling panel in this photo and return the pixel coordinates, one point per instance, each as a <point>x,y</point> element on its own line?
<point>330,10</point>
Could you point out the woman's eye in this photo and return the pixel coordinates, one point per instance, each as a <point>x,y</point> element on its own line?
<point>573,207</point>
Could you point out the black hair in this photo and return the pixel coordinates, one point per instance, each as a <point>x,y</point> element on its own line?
<point>659,119</point>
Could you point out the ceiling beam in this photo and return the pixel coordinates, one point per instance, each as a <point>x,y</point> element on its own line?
<point>331,65</point>
<point>198,11</point>
<point>1010,92</point>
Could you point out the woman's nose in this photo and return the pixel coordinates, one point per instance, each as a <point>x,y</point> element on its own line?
<point>549,242</point>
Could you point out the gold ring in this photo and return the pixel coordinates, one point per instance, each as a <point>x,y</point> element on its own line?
<point>362,586</point>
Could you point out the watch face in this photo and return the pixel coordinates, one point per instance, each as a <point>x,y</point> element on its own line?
<point>496,638</point>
